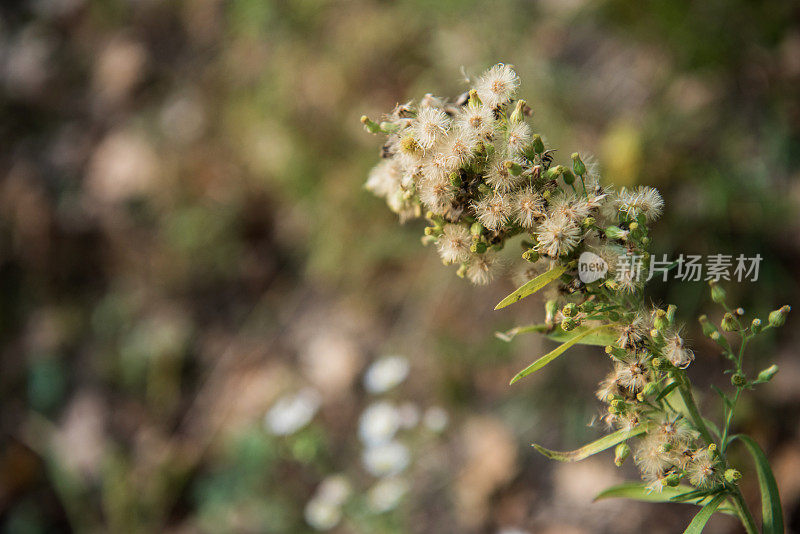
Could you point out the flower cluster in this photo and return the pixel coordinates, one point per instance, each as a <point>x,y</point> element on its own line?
<point>481,176</point>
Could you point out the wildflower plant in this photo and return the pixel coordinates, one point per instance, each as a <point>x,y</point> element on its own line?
<point>478,173</point>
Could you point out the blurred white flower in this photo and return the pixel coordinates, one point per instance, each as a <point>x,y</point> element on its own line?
<point>386,373</point>
<point>436,419</point>
<point>292,412</point>
<point>322,515</point>
<point>386,460</point>
<point>386,494</point>
<point>335,489</point>
<point>409,415</point>
<point>378,423</point>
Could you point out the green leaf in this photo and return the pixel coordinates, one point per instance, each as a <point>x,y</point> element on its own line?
<point>638,491</point>
<point>666,391</point>
<point>555,353</point>
<point>531,287</point>
<point>594,447</point>
<point>556,333</point>
<point>702,517</point>
<point>771,512</point>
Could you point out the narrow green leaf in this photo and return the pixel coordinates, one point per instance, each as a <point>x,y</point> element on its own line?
<point>666,391</point>
<point>594,447</point>
<point>531,287</point>
<point>699,522</point>
<point>556,333</point>
<point>771,512</point>
<point>555,353</point>
<point>638,491</point>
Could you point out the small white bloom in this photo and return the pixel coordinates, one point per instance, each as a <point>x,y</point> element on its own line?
<point>436,419</point>
<point>557,235</point>
<point>437,194</point>
<point>499,177</point>
<point>322,515</point>
<point>642,200</point>
<point>529,207</point>
<point>378,423</point>
<point>384,178</point>
<point>497,85</point>
<point>493,211</point>
<point>386,494</point>
<point>292,412</point>
<point>454,243</point>
<point>430,126</point>
<point>478,120</point>
<point>386,373</point>
<point>387,459</point>
<point>519,136</point>
<point>482,268</point>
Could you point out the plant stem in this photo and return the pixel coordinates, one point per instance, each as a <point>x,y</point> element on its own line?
<point>743,512</point>
<point>694,413</point>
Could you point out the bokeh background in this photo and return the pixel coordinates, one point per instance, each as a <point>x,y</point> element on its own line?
<point>186,247</point>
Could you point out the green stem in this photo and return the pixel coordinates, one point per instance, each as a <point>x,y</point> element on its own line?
<point>694,413</point>
<point>743,512</point>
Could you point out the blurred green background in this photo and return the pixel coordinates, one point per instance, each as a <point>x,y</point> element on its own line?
<point>184,240</point>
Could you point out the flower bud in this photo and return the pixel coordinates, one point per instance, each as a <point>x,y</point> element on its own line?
<point>569,310</point>
<point>537,143</point>
<point>739,380</point>
<point>455,180</point>
<point>672,480</point>
<point>514,168</point>
<point>462,270</point>
<point>568,324</point>
<point>589,221</point>
<point>615,232</point>
<point>569,177</point>
<point>729,323</point>
<point>671,309</point>
<point>518,113</point>
<point>717,293</point>
<point>633,226</point>
<point>621,453</point>
<point>474,99</point>
<point>732,475</point>
<point>578,166</point>
<point>478,247</point>
<point>370,125</point>
<point>708,328</point>
<point>767,374</point>
<point>550,308</point>
<point>778,317</point>
<point>530,255</point>
<point>755,326</point>
<point>476,229</point>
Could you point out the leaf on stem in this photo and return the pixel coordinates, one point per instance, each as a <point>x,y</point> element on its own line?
<point>771,512</point>
<point>555,353</point>
<point>702,517</point>
<point>594,447</point>
<point>531,287</point>
<point>556,333</point>
<point>638,491</point>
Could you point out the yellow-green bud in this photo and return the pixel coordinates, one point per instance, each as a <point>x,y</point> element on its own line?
<point>569,310</point>
<point>717,293</point>
<point>621,453</point>
<point>589,221</point>
<point>672,480</point>
<point>478,247</point>
<point>537,143</point>
<point>729,322</point>
<point>462,270</point>
<point>530,255</point>
<point>660,320</point>
<point>569,177</point>
<point>577,165</point>
<point>778,317</point>
<point>455,179</point>
<point>732,475</point>
<point>514,168</point>
<point>671,309</point>
<point>708,328</point>
<point>474,100</point>
<point>476,229</point>
<point>755,326</point>
<point>518,113</point>
<point>370,125</point>
<point>550,308</point>
<point>739,380</point>
<point>767,374</point>
<point>633,226</point>
<point>568,325</point>
<point>615,232</point>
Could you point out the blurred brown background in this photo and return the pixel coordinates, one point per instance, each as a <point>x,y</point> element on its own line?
<point>184,241</point>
